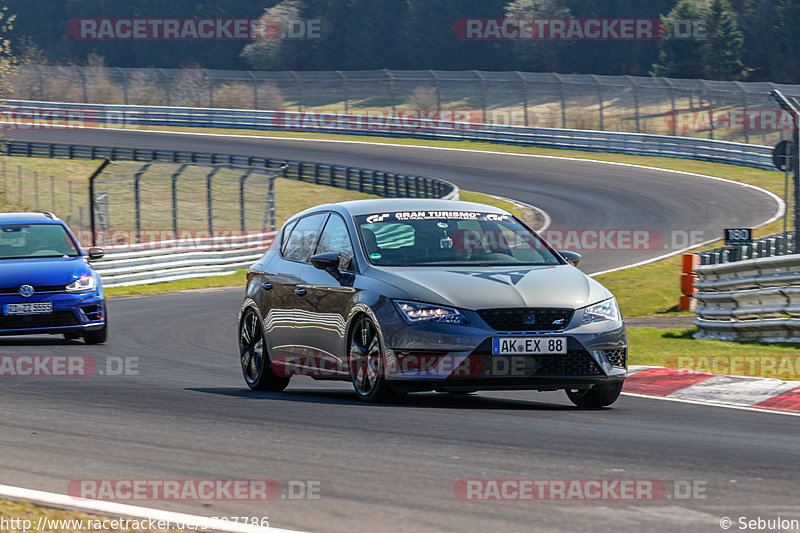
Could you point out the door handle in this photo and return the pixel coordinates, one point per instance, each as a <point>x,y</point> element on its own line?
<point>266,286</point>
<point>300,292</point>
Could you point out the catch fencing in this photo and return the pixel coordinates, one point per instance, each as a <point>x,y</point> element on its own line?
<point>666,106</point>
<point>24,188</point>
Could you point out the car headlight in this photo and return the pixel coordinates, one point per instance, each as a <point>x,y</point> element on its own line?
<point>82,284</point>
<point>415,313</point>
<point>605,310</point>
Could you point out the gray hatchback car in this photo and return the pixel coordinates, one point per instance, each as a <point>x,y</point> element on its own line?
<point>408,295</point>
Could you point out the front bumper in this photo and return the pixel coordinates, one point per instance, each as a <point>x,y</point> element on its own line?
<point>72,313</point>
<point>436,356</point>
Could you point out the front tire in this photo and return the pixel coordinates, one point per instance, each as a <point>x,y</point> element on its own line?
<point>98,336</point>
<point>254,358</point>
<point>598,396</point>
<point>367,364</point>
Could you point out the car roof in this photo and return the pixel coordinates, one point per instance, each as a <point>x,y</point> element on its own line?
<point>380,205</point>
<point>28,218</point>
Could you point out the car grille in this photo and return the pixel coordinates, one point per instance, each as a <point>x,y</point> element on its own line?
<point>576,362</point>
<point>523,319</point>
<point>618,358</point>
<point>54,320</point>
<point>41,289</point>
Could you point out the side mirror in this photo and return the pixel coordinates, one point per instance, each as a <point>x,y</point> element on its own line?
<point>329,262</point>
<point>571,257</point>
<point>96,253</point>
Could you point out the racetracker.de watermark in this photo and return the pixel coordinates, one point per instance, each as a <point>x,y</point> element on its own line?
<point>767,366</point>
<point>118,239</point>
<point>625,490</point>
<point>194,489</point>
<point>730,119</point>
<point>192,29</point>
<point>576,29</point>
<point>381,119</point>
<point>66,366</point>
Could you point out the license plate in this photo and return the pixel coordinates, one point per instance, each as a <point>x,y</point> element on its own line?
<point>38,308</point>
<point>529,345</point>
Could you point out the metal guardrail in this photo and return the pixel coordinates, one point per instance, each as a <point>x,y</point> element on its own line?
<point>171,260</point>
<point>377,182</point>
<point>716,151</point>
<point>773,245</point>
<point>755,299</point>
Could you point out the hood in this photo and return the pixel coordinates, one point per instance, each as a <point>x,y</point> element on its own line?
<point>42,271</point>
<point>483,288</point>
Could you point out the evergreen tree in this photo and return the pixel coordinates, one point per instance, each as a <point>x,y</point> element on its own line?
<point>681,55</point>
<point>726,43</point>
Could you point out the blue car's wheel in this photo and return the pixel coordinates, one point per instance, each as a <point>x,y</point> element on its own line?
<point>254,357</point>
<point>97,336</point>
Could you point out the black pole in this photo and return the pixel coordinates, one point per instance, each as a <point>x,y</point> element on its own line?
<point>791,107</point>
<point>96,173</point>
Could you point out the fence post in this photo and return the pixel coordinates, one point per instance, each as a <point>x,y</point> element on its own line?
<point>137,201</point>
<point>524,85</point>
<point>94,175</point>
<point>174,185</point>
<point>483,93</point>
<point>36,189</point>
<point>299,88</point>
<point>210,201</point>
<point>345,95</point>
<point>241,200</point>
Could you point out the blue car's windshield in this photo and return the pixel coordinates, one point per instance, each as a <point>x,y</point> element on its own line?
<point>35,240</point>
<point>451,238</point>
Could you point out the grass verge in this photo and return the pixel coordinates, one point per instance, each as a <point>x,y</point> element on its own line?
<point>26,516</point>
<point>675,348</point>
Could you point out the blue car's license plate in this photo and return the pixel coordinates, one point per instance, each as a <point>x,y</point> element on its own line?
<point>37,308</point>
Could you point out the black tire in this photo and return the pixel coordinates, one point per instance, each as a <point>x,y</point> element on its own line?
<point>254,357</point>
<point>367,364</point>
<point>98,336</point>
<point>73,335</point>
<point>598,396</point>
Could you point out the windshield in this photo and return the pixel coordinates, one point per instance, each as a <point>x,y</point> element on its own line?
<point>451,238</point>
<point>35,240</point>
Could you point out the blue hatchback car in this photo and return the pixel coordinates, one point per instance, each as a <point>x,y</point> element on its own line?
<point>47,285</point>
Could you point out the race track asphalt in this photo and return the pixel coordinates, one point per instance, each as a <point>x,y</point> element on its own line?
<point>184,412</point>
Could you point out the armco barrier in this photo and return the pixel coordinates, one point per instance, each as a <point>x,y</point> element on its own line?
<point>89,115</point>
<point>752,299</point>
<point>143,263</point>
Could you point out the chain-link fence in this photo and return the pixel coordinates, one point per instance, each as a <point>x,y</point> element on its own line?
<point>722,110</point>
<point>137,203</point>
<point>25,189</point>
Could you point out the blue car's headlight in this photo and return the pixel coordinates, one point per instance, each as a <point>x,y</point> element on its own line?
<point>82,284</point>
<point>605,310</point>
<point>416,312</point>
